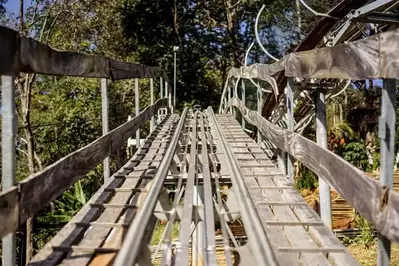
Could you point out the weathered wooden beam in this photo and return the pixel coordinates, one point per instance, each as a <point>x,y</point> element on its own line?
<point>374,53</point>
<point>40,189</point>
<point>376,203</point>
<point>9,214</point>
<point>24,54</point>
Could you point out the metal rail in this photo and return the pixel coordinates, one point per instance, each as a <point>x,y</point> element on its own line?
<point>258,240</point>
<point>132,243</point>
<point>185,228</point>
<point>210,254</point>
<point>167,252</point>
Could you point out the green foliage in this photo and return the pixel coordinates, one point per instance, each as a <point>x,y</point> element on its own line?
<point>366,236</point>
<point>2,8</point>
<point>356,154</point>
<point>66,112</point>
<point>307,181</point>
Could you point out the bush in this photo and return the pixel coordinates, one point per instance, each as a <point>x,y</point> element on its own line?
<point>307,181</point>
<point>356,154</point>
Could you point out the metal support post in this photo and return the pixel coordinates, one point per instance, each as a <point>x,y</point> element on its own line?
<point>290,127</point>
<point>104,112</point>
<point>260,100</point>
<point>198,236</point>
<point>152,124</point>
<point>321,136</point>
<point>387,135</point>
<point>161,87</point>
<point>170,100</point>
<point>228,98</point>
<point>235,95</point>
<point>8,133</point>
<point>243,101</point>
<point>137,105</point>
<point>281,156</point>
<point>166,96</point>
<point>175,49</point>
<point>160,111</point>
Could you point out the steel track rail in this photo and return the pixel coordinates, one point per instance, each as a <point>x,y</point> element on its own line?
<point>167,252</point>
<point>132,243</point>
<point>185,230</point>
<point>260,244</point>
<point>210,252</point>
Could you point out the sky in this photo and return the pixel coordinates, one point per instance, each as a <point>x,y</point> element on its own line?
<point>13,5</point>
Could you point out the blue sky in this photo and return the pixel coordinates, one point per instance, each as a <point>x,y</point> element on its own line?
<point>13,5</point>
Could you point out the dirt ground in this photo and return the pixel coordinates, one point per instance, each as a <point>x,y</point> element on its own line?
<point>368,257</point>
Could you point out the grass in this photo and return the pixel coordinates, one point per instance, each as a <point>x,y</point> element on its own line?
<point>159,229</point>
<point>368,256</point>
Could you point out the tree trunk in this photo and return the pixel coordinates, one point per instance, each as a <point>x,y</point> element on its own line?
<point>26,97</point>
<point>233,34</point>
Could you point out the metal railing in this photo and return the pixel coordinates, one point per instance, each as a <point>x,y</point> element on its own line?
<point>21,54</point>
<point>319,71</point>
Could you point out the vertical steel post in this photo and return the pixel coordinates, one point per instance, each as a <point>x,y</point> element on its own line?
<point>161,95</point>
<point>228,98</point>
<point>235,94</point>
<point>137,105</point>
<point>260,100</point>
<point>386,133</point>
<point>321,136</point>
<point>243,101</point>
<point>166,96</point>
<point>152,124</point>
<point>281,161</point>
<point>104,112</point>
<point>175,49</point>
<point>170,100</point>
<point>8,133</point>
<point>161,87</point>
<point>290,127</point>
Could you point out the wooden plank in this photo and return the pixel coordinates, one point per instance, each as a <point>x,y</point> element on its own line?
<point>70,234</point>
<point>373,201</point>
<point>9,214</point>
<point>40,189</point>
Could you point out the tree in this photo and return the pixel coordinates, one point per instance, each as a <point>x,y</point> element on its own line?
<point>2,8</point>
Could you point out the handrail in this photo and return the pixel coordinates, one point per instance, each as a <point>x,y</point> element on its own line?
<point>34,193</point>
<point>24,54</point>
<point>376,54</point>
<point>377,203</point>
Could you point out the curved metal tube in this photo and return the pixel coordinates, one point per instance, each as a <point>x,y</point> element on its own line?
<point>257,35</point>
<point>314,12</point>
<point>246,61</point>
<point>341,91</point>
